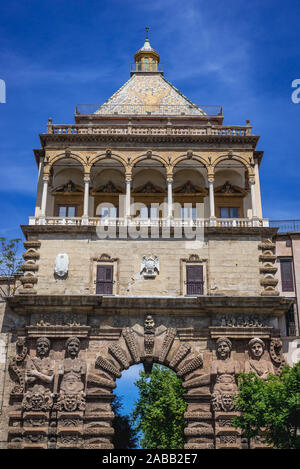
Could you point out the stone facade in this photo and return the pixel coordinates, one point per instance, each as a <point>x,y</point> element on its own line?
<point>288,249</point>
<point>206,307</point>
<point>234,277</point>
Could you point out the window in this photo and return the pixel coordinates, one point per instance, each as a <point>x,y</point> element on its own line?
<point>111,212</point>
<point>146,65</point>
<point>189,212</point>
<point>149,211</point>
<point>194,280</point>
<point>66,210</point>
<point>104,281</point>
<point>229,212</point>
<point>290,322</point>
<point>286,269</point>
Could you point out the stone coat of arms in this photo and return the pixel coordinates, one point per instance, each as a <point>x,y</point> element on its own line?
<point>149,266</point>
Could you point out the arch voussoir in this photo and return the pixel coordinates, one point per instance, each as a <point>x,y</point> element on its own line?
<point>147,345</point>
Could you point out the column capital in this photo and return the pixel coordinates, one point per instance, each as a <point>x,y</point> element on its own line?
<point>86,177</point>
<point>46,178</point>
<point>128,178</point>
<point>211,179</point>
<point>252,181</point>
<point>170,179</point>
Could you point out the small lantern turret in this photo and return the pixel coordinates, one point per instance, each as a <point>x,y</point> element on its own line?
<point>146,59</point>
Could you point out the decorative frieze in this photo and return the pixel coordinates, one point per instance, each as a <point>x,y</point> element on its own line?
<point>31,255</point>
<point>128,335</point>
<point>240,320</point>
<point>70,408</point>
<point>180,354</point>
<point>268,269</point>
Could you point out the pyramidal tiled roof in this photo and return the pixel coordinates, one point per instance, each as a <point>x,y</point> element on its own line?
<point>149,93</point>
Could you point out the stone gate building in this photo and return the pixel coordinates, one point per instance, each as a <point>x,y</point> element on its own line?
<point>147,245</point>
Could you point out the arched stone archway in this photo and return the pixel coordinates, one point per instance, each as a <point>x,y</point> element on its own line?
<point>60,395</point>
<point>148,345</point>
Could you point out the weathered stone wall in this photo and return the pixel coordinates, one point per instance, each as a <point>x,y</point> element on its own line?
<point>9,322</point>
<point>110,343</point>
<point>3,365</point>
<point>231,265</point>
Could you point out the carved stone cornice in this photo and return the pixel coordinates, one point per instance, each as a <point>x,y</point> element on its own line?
<point>47,139</point>
<point>58,331</point>
<point>215,230</point>
<point>205,305</point>
<point>243,332</point>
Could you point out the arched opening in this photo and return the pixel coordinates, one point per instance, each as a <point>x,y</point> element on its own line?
<point>66,190</point>
<point>231,190</point>
<point>152,407</point>
<point>126,393</point>
<point>149,189</point>
<point>148,344</point>
<point>190,193</point>
<point>108,184</point>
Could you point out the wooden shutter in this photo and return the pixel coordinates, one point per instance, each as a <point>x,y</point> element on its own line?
<point>286,269</point>
<point>104,282</point>
<point>194,279</point>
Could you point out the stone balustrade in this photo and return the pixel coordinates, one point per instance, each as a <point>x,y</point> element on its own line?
<point>82,129</point>
<point>151,222</point>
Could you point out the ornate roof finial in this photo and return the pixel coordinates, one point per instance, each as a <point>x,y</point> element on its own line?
<point>146,57</point>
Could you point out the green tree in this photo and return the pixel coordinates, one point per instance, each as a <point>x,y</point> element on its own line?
<point>159,411</point>
<point>125,436</point>
<point>10,263</point>
<point>271,408</point>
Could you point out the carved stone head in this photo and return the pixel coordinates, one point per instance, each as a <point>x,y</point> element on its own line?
<point>42,347</point>
<point>149,324</point>
<point>227,402</point>
<point>256,348</point>
<point>223,348</point>
<point>73,346</point>
<point>37,401</point>
<point>70,402</point>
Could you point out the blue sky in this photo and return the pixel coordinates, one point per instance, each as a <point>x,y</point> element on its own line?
<point>242,55</point>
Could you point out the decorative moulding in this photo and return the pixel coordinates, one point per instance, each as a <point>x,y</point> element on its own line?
<point>241,333</point>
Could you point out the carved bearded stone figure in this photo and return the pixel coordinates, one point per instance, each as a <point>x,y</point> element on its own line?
<point>262,368</point>
<point>223,372</point>
<point>73,371</point>
<point>39,375</point>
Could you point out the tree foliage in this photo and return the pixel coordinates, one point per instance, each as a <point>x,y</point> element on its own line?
<point>10,262</point>
<point>271,407</point>
<point>159,411</point>
<point>125,436</point>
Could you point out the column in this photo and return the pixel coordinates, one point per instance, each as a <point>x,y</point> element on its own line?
<point>127,201</point>
<point>86,195</point>
<point>44,195</point>
<point>253,198</point>
<point>211,198</point>
<point>170,197</point>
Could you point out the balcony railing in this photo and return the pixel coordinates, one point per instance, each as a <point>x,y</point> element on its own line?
<point>150,222</point>
<point>286,225</point>
<point>147,109</point>
<point>93,129</point>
